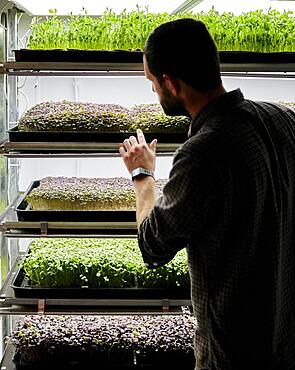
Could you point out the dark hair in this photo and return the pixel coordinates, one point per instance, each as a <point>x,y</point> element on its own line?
<point>184,49</point>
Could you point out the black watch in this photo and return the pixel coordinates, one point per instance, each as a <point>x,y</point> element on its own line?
<point>141,172</point>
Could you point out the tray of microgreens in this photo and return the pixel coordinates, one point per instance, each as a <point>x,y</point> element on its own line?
<point>110,342</point>
<point>97,268</point>
<point>80,199</point>
<point>67,121</point>
<point>112,37</point>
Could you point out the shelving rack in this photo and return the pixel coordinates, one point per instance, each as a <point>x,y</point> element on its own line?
<point>11,227</point>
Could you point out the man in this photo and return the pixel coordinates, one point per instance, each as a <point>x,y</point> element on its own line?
<point>230,200</point>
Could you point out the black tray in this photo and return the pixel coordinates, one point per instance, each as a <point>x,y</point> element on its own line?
<point>72,55</point>
<point>22,289</point>
<point>255,57</point>
<point>90,136</point>
<point>24,213</point>
<point>184,362</point>
<point>65,361</point>
<point>123,56</point>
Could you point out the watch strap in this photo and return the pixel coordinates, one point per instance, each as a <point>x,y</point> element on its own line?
<point>141,172</point>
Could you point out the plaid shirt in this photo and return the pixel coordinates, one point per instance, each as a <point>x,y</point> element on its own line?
<point>230,201</point>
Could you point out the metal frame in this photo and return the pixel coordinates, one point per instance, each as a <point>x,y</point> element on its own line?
<point>71,67</point>
<point>20,154</point>
<point>7,359</point>
<point>124,69</point>
<point>100,149</point>
<point>24,234</point>
<point>272,75</point>
<point>23,306</point>
<point>186,6</point>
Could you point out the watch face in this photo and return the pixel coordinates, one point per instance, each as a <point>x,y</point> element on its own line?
<point>137,171</point>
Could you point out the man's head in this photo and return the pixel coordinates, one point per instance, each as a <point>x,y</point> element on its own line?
<point>181,50</point>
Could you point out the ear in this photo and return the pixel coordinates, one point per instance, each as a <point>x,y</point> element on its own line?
<point>172,84</point>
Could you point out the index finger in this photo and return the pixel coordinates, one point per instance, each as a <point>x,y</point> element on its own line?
<point>140,136</point>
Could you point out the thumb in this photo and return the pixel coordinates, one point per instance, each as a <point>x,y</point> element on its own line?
<point>153,145</point>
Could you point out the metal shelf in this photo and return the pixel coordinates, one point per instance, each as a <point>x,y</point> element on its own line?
<point>23,234</point>
<point>93,307</point>
<point>9,304</point>
<point>254,74</point>
<point>124,69</point>
<point>18,68</point>
<point>12,227</point>
<point>258,67</point>
<point>96,307</point>
<point>7,359</point>
<point>72,149</point>
<point>21,154</point>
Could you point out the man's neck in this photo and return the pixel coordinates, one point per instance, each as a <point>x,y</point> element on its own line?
<point>196,101</point>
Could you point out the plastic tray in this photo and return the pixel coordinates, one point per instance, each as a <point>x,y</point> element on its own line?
<point>72,55</point>
<point>24,213</point>
<point>123,56</point>
<point>90,136</point>
<point>185,362</point>
<point>22,289</point>
<point>255,57</point>
<point>68,363</point>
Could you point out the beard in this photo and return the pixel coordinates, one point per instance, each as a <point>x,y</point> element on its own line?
<point>171,105</point>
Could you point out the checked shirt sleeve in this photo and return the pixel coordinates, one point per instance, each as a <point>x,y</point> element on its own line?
<point>181,213</point>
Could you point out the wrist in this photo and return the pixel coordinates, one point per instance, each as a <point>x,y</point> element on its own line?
<point>144,181</point>
<point>140,173</point>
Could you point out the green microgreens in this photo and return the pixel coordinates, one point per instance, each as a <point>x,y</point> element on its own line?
<point>259,31</point>
<point>112,263</point>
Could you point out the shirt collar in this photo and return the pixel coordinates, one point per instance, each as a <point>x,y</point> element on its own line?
<point>215,108</point>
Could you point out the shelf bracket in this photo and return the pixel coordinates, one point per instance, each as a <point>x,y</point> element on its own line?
<point>165,305</point>
<point>41,306</point>
<point>44,227</point>
<point>3,228</point>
